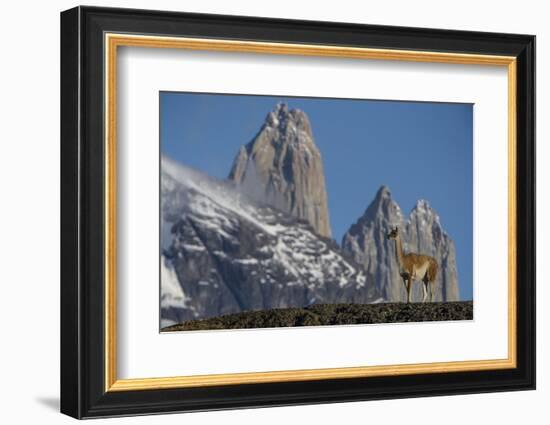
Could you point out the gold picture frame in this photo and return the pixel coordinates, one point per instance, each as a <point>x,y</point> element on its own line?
<point>113,29</point>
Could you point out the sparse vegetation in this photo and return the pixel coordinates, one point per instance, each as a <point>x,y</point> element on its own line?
<point>334,314</point>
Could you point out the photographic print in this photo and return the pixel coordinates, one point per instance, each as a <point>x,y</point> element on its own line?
<point>280,211</point>
<point>282,183</point>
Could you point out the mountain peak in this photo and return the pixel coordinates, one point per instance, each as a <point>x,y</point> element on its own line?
<point>422,204</point>
<point>289,122</point>
<point>423,207</point>
<point>382,210</point>
<point>383,203</point>
<point>423,212</point>
<point>283,163</point>
<point>281,108</point>
<point>383,192</point>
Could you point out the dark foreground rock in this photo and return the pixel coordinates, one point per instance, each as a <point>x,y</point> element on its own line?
<point>334,314</point>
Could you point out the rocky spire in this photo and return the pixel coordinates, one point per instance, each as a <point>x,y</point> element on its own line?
<point>366,241</point>
<point>284,165</point>
<point>426,235</point>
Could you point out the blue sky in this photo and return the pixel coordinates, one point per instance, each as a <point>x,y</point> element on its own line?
<point>420,150</point>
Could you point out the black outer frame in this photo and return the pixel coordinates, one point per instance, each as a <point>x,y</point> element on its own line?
<point>82,220</point>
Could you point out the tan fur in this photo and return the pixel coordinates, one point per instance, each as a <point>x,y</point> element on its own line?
<point>432,270</point>
<point>413,267</point>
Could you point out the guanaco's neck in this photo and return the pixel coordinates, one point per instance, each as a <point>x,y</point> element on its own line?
<point>399,251</point>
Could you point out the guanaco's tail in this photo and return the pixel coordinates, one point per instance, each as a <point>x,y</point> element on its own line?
<point>432,270</point>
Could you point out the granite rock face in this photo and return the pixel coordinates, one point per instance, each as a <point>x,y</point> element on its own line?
<point>425,234</point>
<point>224,252</point>
<point>282,166</point>
<point>366,241</point>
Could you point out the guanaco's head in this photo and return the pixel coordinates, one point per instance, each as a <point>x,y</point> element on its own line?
<point>393,233</point>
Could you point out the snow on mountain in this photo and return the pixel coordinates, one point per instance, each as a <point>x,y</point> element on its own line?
<point>229,253</point>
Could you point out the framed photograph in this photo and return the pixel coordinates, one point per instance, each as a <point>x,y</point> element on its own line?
<point>261,212</point>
